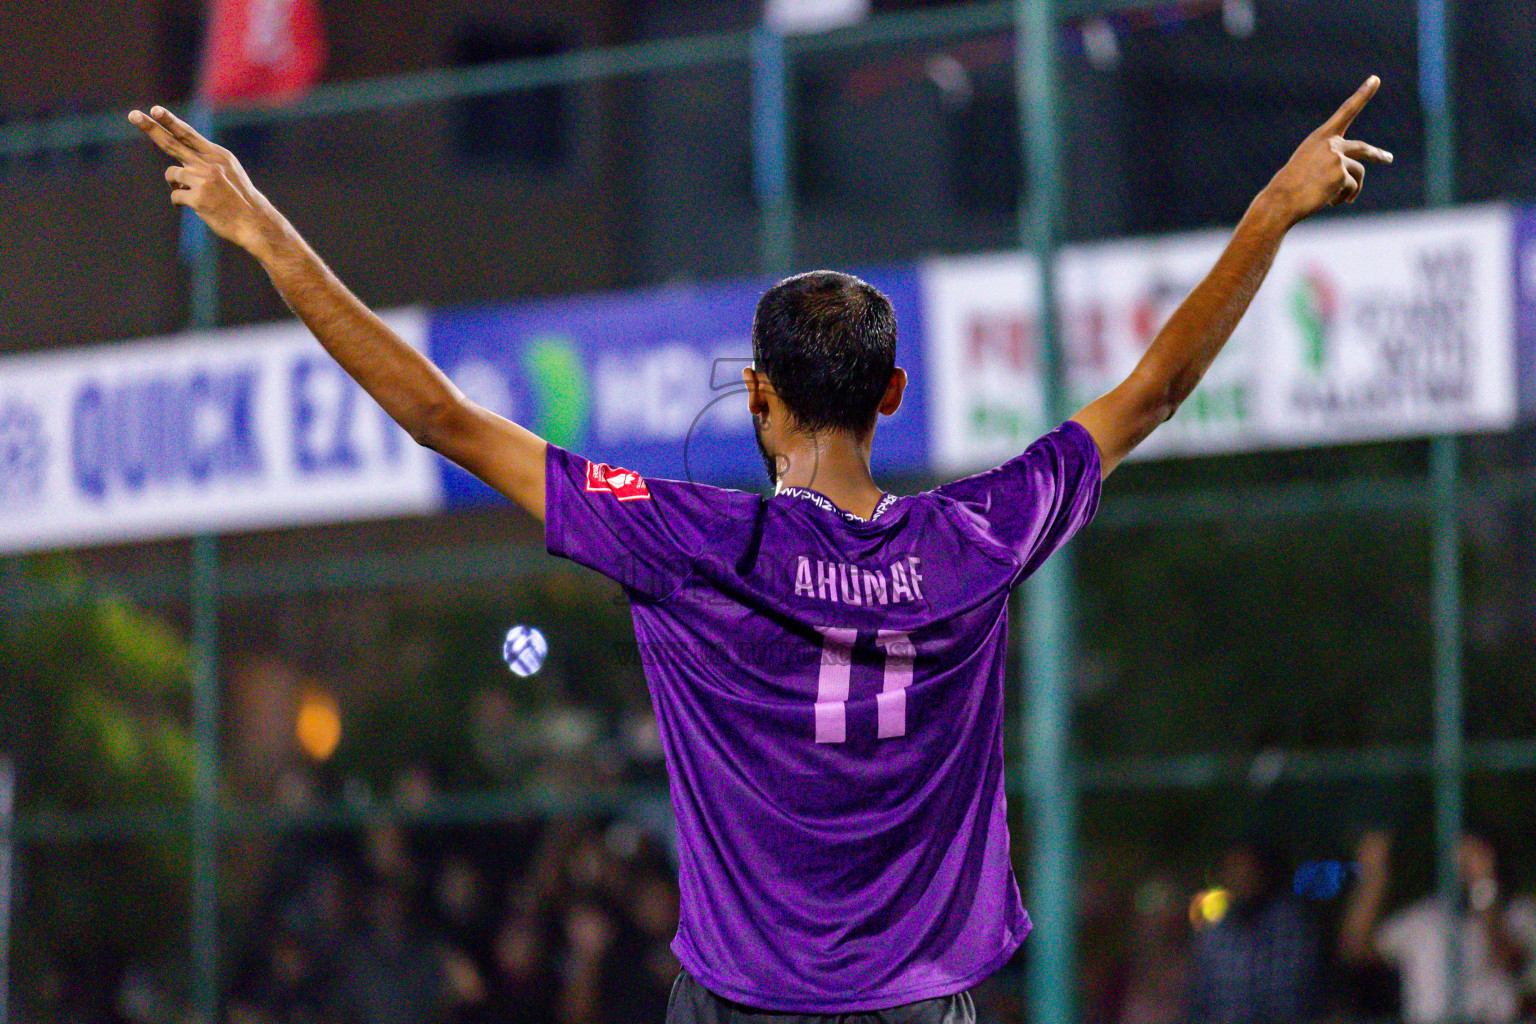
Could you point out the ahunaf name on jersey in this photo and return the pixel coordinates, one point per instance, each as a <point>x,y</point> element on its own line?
<point>842,583</point>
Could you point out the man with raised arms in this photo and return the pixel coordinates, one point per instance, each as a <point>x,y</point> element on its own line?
<point>842,830</point>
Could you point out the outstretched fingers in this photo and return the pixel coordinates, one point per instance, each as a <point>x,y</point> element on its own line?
<point>183,132</point>
<point>1357,150</point>
<point>1345,116</point>
<point>160,136</point>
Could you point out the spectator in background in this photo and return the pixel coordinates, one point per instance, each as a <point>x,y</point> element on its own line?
<point>524,985</point>
<point>646,964</point>
<point>1156,969</point>
<point>590,931</point>
<point>558,921</point>
<point>461,913</point>
<point>291,986</point>
<point>1495,935</point>
<point>393,974</point>
<point>1261,961</point>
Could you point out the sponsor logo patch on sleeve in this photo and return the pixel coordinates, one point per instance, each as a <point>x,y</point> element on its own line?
<point>624,484</point>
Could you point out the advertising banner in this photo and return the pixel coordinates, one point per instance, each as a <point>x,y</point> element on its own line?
<point>649,380</point>
<point>986,398</point>
<point>1368,329</point>
<point>242,429</point>
<point>1396,326</point>
<point>1116,297</point>
<point>985,395</point>
<point>804,17</point>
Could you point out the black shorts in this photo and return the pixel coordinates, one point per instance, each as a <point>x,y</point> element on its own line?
<point>692,1003</point>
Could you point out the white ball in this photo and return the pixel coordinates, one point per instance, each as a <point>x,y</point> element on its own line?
<point>524,650</point>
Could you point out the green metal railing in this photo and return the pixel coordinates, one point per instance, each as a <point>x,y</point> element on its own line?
<point>1047,777</point>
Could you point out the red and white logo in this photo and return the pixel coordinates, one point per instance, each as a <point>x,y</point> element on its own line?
<point>624,484</point>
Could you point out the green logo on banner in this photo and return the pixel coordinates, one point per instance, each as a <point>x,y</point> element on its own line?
<point>560,381</point>
<point>1314,305</point>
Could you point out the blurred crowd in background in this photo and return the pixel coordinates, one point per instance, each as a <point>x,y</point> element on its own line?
<point>1267,940</point>
<point>545,919</point>
<point>477,852</point>
<point>569,920</point>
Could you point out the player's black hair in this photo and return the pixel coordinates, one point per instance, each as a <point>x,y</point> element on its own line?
<point>827,343</point>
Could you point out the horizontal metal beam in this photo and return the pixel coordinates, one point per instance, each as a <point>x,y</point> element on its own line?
<point>913,27</point>
<point>1261,502</point>
<point>1203,771</point>
<point>397,91</point>
<point>292,576</point>
<point>101,826</point>
<point>484,807</point>
<point>27,139</point>
<point>469,564</point>
<point>495,562</point>
<point>1192,771</point>
<point>969,19</point>
<point>1250,503</point>
<point>574,68</point>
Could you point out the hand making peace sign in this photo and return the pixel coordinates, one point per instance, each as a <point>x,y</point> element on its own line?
<point>208,179</point>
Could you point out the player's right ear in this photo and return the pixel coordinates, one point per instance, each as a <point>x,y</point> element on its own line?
<point>757,391</point>
<point>893,392</point>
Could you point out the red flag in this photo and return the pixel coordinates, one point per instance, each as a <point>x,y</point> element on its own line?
<point>262,50</point>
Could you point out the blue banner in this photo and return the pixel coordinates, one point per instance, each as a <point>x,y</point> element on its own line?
<point>650,380</point>
<point>240,429</point>
<point>1525,309</point>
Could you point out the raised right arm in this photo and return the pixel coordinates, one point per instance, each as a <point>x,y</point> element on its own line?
<point>1325,170</point>
<point>1357,928</point>
<point>415,393</point>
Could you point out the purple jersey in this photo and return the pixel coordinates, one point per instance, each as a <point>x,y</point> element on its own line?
<point>830,697</point>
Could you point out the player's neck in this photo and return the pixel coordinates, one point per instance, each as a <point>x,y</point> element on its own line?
<point>834,465</point>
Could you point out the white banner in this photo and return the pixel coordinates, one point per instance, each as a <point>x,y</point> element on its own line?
<point>1373,328</point>
<point>1116,297</point>
<point>230,430</point>
<point>1392,327</point>
<point>982,356</point>
<point>807,17</point>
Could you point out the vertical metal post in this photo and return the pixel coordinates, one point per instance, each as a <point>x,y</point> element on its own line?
<point>1449,755</point>
<point>202,253</point>
<point>16,599</point>
<point>772,167</point>
<point>1049,777</point>
<point>205,809</point>
<point>7,861</point>
<point>199,248</point>
<point>1436,67</point>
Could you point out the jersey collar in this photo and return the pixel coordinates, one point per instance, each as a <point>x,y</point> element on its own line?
<point>822,501</point>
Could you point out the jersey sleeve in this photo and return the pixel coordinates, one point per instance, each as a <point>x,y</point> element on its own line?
<point>645,534</point>
<point>1032,505</point>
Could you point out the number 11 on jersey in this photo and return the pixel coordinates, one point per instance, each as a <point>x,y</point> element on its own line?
<point>832,683</point>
